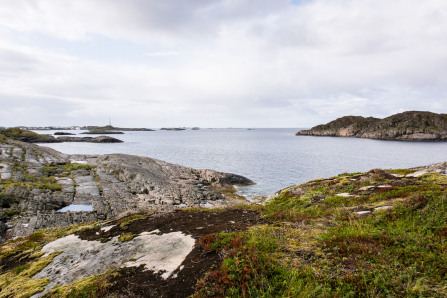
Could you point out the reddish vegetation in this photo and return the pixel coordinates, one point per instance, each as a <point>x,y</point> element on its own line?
<point>202,225</point>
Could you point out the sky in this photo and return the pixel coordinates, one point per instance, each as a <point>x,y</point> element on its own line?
<point>220,63</point>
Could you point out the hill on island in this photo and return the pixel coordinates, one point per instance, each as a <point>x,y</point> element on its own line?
<point>408,126</point>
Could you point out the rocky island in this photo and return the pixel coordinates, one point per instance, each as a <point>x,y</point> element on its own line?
<point>32,137</point>
<point>406,126</point>
<point>109,129</point>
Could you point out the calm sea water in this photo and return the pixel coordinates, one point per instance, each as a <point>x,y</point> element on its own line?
<point>273,158</point>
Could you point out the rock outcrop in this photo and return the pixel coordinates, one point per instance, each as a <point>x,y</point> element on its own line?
<point>36,182</point>
<point>407,126</point>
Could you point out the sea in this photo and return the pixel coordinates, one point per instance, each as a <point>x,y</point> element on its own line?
<point>274,158</point>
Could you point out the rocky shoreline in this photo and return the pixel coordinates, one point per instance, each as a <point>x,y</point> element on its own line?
<point>37,181</point>
<point>329,234</point>
<point>407,126</point>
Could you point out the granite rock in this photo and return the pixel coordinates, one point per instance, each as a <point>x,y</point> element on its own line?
<point>38,181</point>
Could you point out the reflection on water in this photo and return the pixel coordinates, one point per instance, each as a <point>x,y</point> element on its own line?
<point>76,208</point>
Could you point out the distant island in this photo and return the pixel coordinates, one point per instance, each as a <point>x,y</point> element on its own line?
<point>98,128</point>
<point>173,128</point>
<point>109,129</point>
<point>406,126</point>
<point>27,136</point>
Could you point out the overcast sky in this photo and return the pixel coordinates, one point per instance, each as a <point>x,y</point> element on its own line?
<point>219,63</point>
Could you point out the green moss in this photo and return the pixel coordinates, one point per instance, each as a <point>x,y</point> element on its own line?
<point>41,182</point>
<point>126,237</point>
<point>19,283</point>
<point>124,222</point>
<point>64,170</point>
<point>53,186</point>
<point>24,135</point>
<point>70,167</point>
<point>34,242</point>
<point>92,286</point>
<point>402,171</point>
<point>49,170</point>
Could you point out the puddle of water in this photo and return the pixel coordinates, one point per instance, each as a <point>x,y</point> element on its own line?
<point>84,162</point>
<point>76,208</point>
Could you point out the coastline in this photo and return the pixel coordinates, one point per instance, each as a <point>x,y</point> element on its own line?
<point>37,182</point>
<point>330,235</point>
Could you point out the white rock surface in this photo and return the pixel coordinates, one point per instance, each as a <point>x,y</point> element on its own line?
<point>418,173</point>
<point>344,194</point>
<point>361,212</point>
<point>383,208</point>
<point>397,175</point>
<point>108,228</point>
<point>365,188</point>
<point>164,252</point>
<point>81,258</point>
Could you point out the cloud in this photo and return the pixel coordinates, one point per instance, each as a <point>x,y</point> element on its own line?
<point>137,20</point>
<point>162,54</point>
<point>236,63</point>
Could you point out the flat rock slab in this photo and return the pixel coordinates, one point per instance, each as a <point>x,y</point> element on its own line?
<point>86,186</point>
<point>67,184</point>
<point>82,258</point>
<point>5,171</point>
<point>87,190</point>
<point>165,243</point>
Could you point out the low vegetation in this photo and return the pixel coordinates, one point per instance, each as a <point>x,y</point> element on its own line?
<point>374,234</point>
<point>22,258</point>
<point>25,135</point>
<point>317,245</point>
